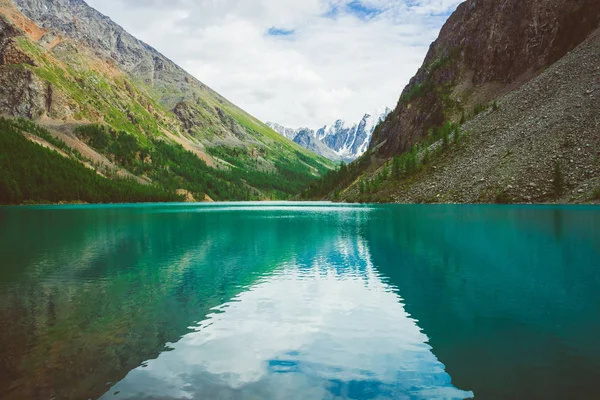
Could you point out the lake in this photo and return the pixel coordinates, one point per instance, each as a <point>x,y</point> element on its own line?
<point>299,301</point>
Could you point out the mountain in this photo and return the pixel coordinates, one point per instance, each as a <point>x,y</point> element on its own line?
<point>341,140</point>
<point>117,102</point>
<point>306,138</point>
<point>504,109</point>
<point>485,50</point>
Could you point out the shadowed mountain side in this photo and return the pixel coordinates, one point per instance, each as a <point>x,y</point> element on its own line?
<point>486,48</point>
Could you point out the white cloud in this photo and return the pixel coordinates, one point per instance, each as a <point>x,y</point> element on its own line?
<point>333,59</point>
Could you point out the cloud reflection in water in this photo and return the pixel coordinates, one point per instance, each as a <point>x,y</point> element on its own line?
<point>323,326</point>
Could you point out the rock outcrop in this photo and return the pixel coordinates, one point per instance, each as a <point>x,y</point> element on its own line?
<point>21,92</point>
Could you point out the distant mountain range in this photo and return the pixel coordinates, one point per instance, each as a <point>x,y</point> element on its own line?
<point>340,141</point>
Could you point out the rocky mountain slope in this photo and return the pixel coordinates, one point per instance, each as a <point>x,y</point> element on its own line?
<point>487,48</point>
<point>306,138</point>
<point>504,109</point>
<point>65,65</point>
<point>339,141</point>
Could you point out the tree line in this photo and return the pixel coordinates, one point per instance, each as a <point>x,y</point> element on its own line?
<point>31,173</point>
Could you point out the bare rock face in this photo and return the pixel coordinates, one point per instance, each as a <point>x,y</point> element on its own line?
<point>190,118</point>
<point>21,92</point>
<point>11,55</point>
<point>9,52</point>
<point>485,49</point>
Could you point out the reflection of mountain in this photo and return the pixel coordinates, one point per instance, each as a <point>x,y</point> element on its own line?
<point>322,326</point>
<point>107,287</point>
<point>508,296</point>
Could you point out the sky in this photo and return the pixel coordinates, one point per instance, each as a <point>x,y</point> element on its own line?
<point>300,63</point>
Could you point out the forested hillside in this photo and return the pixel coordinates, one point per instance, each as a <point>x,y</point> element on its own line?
<point>167,169</point>
<point>31,173</point>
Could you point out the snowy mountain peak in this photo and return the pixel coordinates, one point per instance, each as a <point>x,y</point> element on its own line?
<point>341,140</point>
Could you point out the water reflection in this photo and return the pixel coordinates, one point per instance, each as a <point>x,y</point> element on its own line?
<point>321,327</point>
<point>299,301</point>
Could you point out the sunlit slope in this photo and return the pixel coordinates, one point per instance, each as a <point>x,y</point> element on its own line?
<point>62,75</point>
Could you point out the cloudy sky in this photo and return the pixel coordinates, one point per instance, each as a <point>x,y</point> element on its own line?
<point>296,62</point>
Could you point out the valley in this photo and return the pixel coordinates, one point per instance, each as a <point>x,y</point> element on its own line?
<point>470,127</point>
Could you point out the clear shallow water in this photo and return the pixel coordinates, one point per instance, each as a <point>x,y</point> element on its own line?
<point>299,301</point>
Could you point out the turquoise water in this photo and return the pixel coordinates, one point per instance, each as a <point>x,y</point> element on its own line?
<point>299,301</point>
